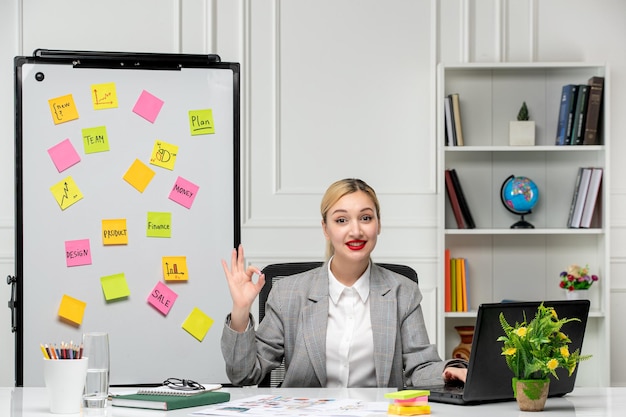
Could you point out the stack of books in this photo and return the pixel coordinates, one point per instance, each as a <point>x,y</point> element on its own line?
<point>452,115</point>
<point>586,199</point>
<point>456,284</point>
<point>408,402</point>
<point>461,210</point>
<point>579,113</point>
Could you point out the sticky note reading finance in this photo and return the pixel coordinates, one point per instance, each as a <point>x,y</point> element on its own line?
<point>114,287</point>
<point>159,224</point>
<point>139,175</point>
<point>162,298</point>
<point>114,232</point>
<point>95,139</point>
<point>184,192</point>
<point>197,324</point>
<point>66,192</point>
<point>77,252</point>
<point>175,268</point>
<point>164,155</point>
<point>63,109</point>
<point>63,155</point>
<point>72,309</point>
<point>104,96</point>
<point>201,122</point>
<point>148,106</point>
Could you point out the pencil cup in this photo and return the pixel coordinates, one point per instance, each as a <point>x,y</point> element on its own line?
<point>96,349</point>
<point>65,381</point>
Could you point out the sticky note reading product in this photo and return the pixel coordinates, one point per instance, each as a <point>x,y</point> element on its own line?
<point>95,139</point>
<point>63,109</point>
<point>66,192</point>
<point>114,287</point>
<point>63,155</point>
<point>175,268</point>
<point>162,298</point>
<point>72,309</point>
<point>197,324</point>
<point>139,175</point>
<point>184,192</point>
<point>104,96</point>
<point>114,232</point>
<point>164,155</point>
<point>77,252</point>
<point>148,106</point>
<point>159,224</point>
<point>201,122</point>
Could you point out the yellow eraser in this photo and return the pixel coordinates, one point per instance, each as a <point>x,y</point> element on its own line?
<point>408,393</point>
<point>411,410</point>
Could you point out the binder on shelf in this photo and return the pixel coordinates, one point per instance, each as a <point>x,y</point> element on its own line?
<point>581,196</point>
<point>467,215</point>
<point>592,198</point>
<point>454,201</point>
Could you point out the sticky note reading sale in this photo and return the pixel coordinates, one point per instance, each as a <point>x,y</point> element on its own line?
<point>114,232</point>
<point>63,155</point>
<point>139,175</point>
<point>77,252</point>
<point>184,192</point>
<point>197,324</point>
<point>175,268</point>
<point>148,106</point>
<point>162,298</point>
<point>72,309</point>
<point>114,287</point>
<point>63,109</point>
<point>201,122</point>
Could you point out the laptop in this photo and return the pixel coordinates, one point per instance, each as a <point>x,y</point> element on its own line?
<point>488,376</point>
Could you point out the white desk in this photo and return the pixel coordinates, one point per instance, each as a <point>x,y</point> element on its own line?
<point>33,402</point>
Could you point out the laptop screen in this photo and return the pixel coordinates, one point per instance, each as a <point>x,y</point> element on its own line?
<point>488,376</point>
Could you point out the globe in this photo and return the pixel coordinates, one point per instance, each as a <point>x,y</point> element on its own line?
<point>519,195</point>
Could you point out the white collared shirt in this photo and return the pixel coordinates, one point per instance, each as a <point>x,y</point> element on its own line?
<point>349,338</point>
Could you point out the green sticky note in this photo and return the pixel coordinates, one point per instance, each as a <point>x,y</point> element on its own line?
<point>114,287</point>
<point>95,139</point>
<point>407,393</point>
<point>201,122</point>
<point>159,224</point>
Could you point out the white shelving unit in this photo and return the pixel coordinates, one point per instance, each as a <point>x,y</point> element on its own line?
<point>521,264</point>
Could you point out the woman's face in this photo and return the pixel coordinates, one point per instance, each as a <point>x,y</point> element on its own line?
<point>352,227</point>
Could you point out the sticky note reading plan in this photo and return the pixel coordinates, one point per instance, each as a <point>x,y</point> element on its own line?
<point>114,232</point>
<point>197,324</point>
<point>201,122</point>
<point>63,109</point>
<point>162,298</point>
<point>184,192</point>
<point>77,252</point>
<point>63,155</point>
<point>72,309</point>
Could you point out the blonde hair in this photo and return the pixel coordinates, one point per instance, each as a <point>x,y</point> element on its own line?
<point>339,189</point>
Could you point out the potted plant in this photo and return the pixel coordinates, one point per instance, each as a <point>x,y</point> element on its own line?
<point>522,130</point>
<point>575,279</point>
<point>533,351</point>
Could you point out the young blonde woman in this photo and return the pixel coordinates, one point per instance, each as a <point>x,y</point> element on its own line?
<point>349,323</point>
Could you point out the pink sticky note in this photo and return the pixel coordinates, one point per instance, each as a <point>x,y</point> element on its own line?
<point>148,106</point>
<point>162,298</point>
<point>184,192</point>
<point>77,252</point>
<point>63,155</point>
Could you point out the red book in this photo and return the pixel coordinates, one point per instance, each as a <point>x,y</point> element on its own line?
<point>454,201</point>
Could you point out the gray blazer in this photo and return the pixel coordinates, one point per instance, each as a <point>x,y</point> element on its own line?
<point>295,324</point>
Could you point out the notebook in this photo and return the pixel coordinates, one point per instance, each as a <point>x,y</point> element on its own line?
<point>488,376</point>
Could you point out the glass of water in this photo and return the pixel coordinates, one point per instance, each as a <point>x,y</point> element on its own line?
<point>96,350</point>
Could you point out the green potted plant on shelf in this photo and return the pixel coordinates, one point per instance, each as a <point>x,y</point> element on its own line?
<point>535,350</point>
<point>522,130</point>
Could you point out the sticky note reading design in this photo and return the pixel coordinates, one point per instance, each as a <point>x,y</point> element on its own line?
<point>63,155</point>
<point>104,96</point>
<point>114,232</point>
<point>159,224</point>
<point>114,287</point>
<point>148,106</point>
<point>72,309</point>
<point>184,192</point>
<point>77,252</point>
<point>139,175</point>
<point>162,298</point>
<point>175,268</point>
<point>63,109</point>
<point>201,122</point>
<point>197,324</point>
<point>66,192</point>
<point>164,155</point>
<point>95,139</point>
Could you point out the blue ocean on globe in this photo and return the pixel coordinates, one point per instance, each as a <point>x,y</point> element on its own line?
<point>520,194</point>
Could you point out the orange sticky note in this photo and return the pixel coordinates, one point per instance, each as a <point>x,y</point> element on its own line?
<point>197,324</point>
<point>139,175</point>
<point>63,109</point>
<point>72,309</point>
<point>114,232</point>
<point>175,268</point>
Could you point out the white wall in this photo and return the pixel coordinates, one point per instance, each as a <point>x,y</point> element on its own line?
<point>330,89</point>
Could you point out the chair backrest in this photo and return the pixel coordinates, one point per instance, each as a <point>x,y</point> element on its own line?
<point>275,272</point>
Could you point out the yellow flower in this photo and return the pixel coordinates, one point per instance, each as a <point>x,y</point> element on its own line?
<point>553,364</point>
<point>554,315</point>
<point>510,351</point>
<point>564,351</point>
<point>562,336</point>
<point>521,332</point>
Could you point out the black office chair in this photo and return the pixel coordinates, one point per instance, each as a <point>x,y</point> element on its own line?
<point>275,272</point>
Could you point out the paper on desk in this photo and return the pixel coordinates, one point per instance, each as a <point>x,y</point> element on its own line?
<point>277,405</point>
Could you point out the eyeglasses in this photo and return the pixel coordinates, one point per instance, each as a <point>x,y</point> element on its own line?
<point>183,384</point>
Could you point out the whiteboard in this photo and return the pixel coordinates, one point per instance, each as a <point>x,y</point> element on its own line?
<point>147,344</point>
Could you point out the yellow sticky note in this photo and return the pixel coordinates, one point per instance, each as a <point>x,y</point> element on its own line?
<point>159,224</point>
<point>63,109</point>
<point>114,232</point>
<point>139,175</point>
<point>66,192</point>
<point>175,268</point>
<point>72,309</point>
<point>411,410</point>
<point>164,155</point>
<point>407,393</point>
<point>114,287</point>
<point>95,139</point>
<point>201,122</point>
<point>197,324</point>
<point>104,96</point>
